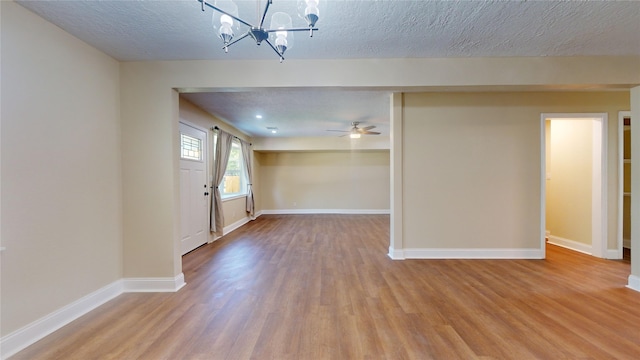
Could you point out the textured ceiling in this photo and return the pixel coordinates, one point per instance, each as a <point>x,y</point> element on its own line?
<point>308,112</point>
<point>179,30</point>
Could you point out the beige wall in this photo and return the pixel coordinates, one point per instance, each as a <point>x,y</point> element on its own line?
<point>472,165</point>
<point>343,180</point>
<point>321,143</point>
<point>148,101</point>
<point>61,169</point>
<point>234,210</point>
<point>569,188</point>
<point>75,231</point>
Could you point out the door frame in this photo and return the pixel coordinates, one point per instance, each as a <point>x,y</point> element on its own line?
<point>599,213</point>
<point>620,217</point>
<point>205,158</point>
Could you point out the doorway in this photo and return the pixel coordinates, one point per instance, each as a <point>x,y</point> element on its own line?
<point>194,192</point>
<point>574,182</point>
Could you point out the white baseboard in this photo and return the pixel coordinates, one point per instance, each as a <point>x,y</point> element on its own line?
<point>29,334</point>
<point>231,227</point>
<point>327,211</point>
<point>613,254</point>
<point>570,244</point>
<point>473,253</point>
<point>153,284</point>
<point>626,243</point>
<point>634,283</point>
<point>236,225</point>
<point>396,254</point>
<point>21,338</point>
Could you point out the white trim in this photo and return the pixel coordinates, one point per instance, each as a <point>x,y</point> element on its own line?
<point>570,244</point>
<point>153,284</point>
<point>326,211</point>
<point>229,228</point>
<point>473,253</point>
<point>233,197</point>
<point>29,334</point>
<point>206,155</point>
<point>396,182</point>
<point>621,242</point>
<point>236,225</point>
<point>544,232</point>
<point>613,254</point>
<point>599,188</point>
<point>396,254</point>
<point>634,283</point>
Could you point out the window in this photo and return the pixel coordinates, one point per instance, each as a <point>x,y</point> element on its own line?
<point>235,177</point>
<point>190,148</point>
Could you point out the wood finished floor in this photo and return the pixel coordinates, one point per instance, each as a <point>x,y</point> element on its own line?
<point>322,287</point>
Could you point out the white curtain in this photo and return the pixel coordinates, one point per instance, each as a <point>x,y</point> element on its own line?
<point>246,156</point>
<point>221,158</point>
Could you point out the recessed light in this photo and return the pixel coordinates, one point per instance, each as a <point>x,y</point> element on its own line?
<point>258,116</point>
<point>274,131</point>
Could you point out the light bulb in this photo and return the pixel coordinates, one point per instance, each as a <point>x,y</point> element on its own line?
<point>223,24</point>
<point>354,136</point>
<point>226,20</point>
<point>281,38</point>
<point>312,10</point>
<point>311,14</point>
<point>226,30</point>
<point>281,41</point>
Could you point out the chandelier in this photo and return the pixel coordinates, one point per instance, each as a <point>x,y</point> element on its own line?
<point>279,35</point>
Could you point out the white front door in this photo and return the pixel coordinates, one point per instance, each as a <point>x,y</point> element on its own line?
<point>194,193</point>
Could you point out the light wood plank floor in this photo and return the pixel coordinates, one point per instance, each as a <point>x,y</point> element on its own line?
<point>322,287</point>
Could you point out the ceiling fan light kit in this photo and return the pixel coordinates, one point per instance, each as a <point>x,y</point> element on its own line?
<point>356,132</point>
<point>226,23</point>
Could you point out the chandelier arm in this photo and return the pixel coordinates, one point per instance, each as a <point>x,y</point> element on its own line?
<point>224,12</point>
<point>274,49</point>
<point>291,29</point>
<point>264,13</point>
<point>236,40</point>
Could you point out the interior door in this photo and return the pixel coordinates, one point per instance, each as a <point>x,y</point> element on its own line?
<point>194,194</point>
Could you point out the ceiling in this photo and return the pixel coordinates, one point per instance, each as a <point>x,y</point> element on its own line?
<point>349,29</point>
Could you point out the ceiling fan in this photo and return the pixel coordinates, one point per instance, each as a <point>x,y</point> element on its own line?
<point>355,131</point>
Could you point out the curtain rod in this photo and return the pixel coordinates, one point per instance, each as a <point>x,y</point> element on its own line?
<point>217,128</point>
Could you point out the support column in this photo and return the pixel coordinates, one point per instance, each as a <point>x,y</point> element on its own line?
<point>396,245</point>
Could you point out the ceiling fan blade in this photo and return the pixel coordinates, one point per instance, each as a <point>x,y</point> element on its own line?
<point>370,133</point>
<point>366,128</point>
<point>340,130</point>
